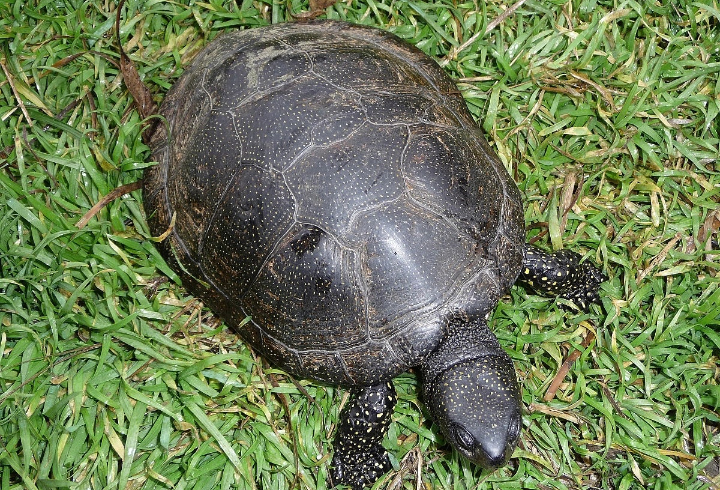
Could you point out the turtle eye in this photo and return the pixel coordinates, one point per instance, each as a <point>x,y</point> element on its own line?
<point>463,438</point>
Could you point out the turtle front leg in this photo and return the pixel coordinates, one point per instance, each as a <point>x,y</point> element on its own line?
<point>561,274</point>
<point>360,459</point>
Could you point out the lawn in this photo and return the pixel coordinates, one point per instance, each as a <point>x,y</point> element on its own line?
<point>607,114</point>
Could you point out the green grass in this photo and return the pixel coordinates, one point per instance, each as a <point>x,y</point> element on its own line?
<point>112,377</point>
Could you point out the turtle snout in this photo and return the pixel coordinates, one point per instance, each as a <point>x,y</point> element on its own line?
<point>490,449</point>
<point>477,404</point>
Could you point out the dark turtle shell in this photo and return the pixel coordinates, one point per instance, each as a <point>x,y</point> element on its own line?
<point>327,181</point>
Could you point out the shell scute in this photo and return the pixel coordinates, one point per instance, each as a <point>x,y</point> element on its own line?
<point>306,293</point>
<point>248,220</point>
<point>348,177</point>
<point>401,278</point>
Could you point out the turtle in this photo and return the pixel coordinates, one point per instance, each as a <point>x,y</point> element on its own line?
<point>323,188</point>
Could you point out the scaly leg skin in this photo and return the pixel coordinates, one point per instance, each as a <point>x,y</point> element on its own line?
<point>360,459</point>
<point>561,274</point>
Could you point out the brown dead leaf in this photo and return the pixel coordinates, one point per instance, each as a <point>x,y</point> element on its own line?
<point>568,198</point>
<point>321,4</point>
<point>139,91</point>
<point>112,195</point>
<point>143,98</point>
<point>565,368</point>
<point>710,226</point>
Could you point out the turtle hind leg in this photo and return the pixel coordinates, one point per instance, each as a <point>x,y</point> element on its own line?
<point>561,274</point>
<point>359,458</point>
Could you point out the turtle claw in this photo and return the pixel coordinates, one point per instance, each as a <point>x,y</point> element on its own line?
<point>360,459</point>
<point>587,292</point>
<point>561,273</point>
<point>360,469</point>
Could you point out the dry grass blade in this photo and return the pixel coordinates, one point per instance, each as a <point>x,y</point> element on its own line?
<point>492,25</point>
<point>19,100</point>
<point>659,258</point>
<point>114,194</point>
<point>566,366</point>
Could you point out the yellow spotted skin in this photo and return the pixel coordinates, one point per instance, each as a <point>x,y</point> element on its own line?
<point>359,457</point>
<point>470,388</point>
<point>561,274</point>
<point>477,405</point>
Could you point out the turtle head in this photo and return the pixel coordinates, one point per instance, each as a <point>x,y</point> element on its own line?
<point>476,403</point>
